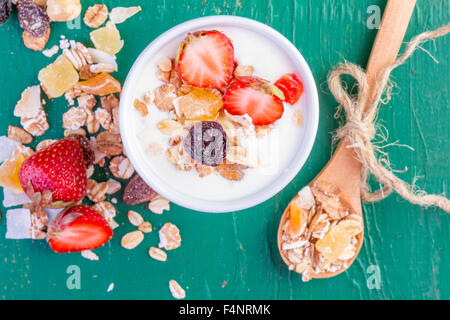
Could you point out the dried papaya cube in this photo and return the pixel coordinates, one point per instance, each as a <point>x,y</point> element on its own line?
<point>100,85</point>
<point>58,77</point>
<point>199,104</point>
<point>107,39</point>
<point>9,170</point>
<point>333,243</point>
<point>298,219</point>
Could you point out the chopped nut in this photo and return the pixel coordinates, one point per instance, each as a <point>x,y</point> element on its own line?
<point>18,134</point>
<point>176,290</point>
<point>102,67</point>
<point>51,51</point>
<point>244,71</point>
<point>141,107</point>
<point>96,191</point>
<point>110,102</point>
<point>169,237</point>
<point>78,55</point>
<point>159,204</point>
<point>92,124</point>
<point>157,254</point>
<point>135,218</point>
<point>96,15</point>
<point>86,73</point>
<point>113,186</point>
<point>145,227</point>
<point>121,167</point>
<point>132,239</point>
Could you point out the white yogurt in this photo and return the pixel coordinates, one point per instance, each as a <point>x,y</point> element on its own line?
<point>276,150</point>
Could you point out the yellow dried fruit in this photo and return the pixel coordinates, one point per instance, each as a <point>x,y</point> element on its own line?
<point>333,243</point>
<point>199,104</point>
<point>107,39</point>
<point>58,77</point>
<point>9,170</point>
<point>298,218</point>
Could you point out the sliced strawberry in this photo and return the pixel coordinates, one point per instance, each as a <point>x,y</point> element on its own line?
<point>59,169</point>
<point>78,228</point>
<point>255,97</point>
<point>291,86</point>
<point>206,59</point>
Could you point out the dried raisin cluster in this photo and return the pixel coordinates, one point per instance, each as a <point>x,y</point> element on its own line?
<point>32,17</point>
<point>5,10</point>
<point>207,143</point>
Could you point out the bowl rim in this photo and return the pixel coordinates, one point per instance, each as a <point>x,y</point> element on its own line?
<point>280,182</point>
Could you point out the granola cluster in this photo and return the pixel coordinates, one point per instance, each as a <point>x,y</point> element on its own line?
<point>321,233</point>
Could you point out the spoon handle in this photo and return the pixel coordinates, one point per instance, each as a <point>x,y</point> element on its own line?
<point>389,38</point>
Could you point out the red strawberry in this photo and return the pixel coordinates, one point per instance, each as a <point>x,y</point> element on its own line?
<point>256,97</point>
<point>78,228</point>
<point>291,86</point>
<point>58,170</point>
<point>206,59</point>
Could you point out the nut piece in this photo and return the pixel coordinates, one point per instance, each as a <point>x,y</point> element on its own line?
<point>157,254</point>
<point>135,218</point>
<point>145,227</point>
<point>176,290</point>
<point>63,10</point>
<point>159,204</point>
<point>113,186</point>
<point>96,15</point>
<point>121,167</point>
<point>169,237</point>
<point>137,191</point>
<point>132,239</point>
<point>141,107</point>
<point>96,191</point>
<point>165,64</point>
<point>92,124</point>
<point>18,134</point>
<point>35,43</point>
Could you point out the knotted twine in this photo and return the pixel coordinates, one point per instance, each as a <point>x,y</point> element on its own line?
<point>360,127</point>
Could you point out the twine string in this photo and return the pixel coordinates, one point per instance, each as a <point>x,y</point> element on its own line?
<point>360,127</point>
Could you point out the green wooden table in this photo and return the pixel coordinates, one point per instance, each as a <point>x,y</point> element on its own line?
<point>235,256</point>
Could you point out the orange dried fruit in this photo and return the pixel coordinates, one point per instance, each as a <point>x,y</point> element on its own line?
<point>58,77</point>
<point>9,170</point>
<point>199,104</point>
<point>298,219</point>
<point>100,85</point>
<point>107,39</point>
<point>333,243</point>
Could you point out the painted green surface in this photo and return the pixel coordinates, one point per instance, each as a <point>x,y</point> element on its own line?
<point>234,256</point>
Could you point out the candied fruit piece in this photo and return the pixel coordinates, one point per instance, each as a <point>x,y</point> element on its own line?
<point>100,85</point>
<point>58,77</point>
<point>107,39</point>
<point>9,170</point>
<point>297,219</point>
<point>207,143</point>
<point>199,104</point>
<point>333,243</point>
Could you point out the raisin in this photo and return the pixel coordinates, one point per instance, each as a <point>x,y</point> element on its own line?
<point>207,143</point>
<point>5,10</point>
<point>32,17</point>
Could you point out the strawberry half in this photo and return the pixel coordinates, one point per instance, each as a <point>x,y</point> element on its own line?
<point>206,59</point>
<point>58,172</point>
<point>255,97</point>
<point>291,86</point>
<point>78,228</point>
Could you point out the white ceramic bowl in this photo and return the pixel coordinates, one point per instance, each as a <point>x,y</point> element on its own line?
<point>139,75</point>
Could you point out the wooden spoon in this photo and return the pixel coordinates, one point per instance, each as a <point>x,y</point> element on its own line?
<point>344,170</point>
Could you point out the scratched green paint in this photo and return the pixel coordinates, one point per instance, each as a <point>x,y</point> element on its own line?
<point>234,256</point>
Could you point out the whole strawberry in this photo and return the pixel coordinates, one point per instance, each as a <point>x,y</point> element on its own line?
<point>58,172</point>
<point>77,229</point>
